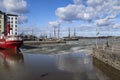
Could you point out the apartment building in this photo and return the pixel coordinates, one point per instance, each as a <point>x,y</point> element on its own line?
<point>2,22</point>
<point>13,20</point>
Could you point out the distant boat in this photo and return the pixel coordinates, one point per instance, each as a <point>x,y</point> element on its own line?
<point>10,41</point>
<point>69,38</point>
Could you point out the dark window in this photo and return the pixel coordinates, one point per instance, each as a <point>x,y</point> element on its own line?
<point>12,18</point>
<point>15,29</point>
<point>11,25</point>
<point>0,26</point>
<point>15,33</point>
<point>16,18</point>
<point>0,21</point>
<point>10,28</point>
<point>8,17</point>
<point>15,25</point>
<point>16,22</point>
<point>11,21</point>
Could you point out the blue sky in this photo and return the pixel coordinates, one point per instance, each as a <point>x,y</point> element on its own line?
<point>84,15</point>
<point>41,12</point>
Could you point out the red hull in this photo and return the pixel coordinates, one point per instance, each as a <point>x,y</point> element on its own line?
<point>10,44</point>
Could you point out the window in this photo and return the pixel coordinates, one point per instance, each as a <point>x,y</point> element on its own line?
<point>8,17</point>
<point>11,21</point>
<point>15,29</point>
<point>11,25</point>
<point>12,18</point>
<point>0,21</point>
<point>16,18</point>
<point>10,28</point>
<point>15,25</point>
<point>15,33</point>
<point>0,16</point>
<point>0,26</point>
<point>16,22</point>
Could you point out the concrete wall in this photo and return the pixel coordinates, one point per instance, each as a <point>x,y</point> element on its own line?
<point>108,57</point>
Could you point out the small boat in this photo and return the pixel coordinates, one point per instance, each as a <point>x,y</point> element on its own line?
<point>10,41</point>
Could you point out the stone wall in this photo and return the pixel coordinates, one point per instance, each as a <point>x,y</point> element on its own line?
<point>108,57</point>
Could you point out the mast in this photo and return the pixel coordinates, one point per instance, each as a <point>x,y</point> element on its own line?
<point>69,32</point>
<point>58,32</point>
<point>54,32</point>
<point>74,32</point>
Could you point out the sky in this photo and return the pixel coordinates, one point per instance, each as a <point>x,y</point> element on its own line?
<point>87,17</point>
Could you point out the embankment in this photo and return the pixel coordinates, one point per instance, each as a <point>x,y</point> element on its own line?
<point>108,56</point>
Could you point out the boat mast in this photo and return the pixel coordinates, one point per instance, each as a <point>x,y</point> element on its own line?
<point>74,32</point>
<point>58,32</point>
<point>69,32</point>
<point>54,32</point>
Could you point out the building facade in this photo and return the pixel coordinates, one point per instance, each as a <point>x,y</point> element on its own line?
<point>13,20</point>
<point>2,22</point>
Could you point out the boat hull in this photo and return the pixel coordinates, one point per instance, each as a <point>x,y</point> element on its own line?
<point>11,44</point>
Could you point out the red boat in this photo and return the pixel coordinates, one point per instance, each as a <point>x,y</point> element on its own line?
<point>10,41</point>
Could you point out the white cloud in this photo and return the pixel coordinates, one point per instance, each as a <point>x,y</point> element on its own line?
<point>77,1</point>
<point>54,23</point>
<point>75,12</point>
<point>15,6</point>
<point>94,2</point>
<point>18,7</point>
<point>117,25</point>
<point>104,22</point>
<point>89,10</point>
<point>22,19</point>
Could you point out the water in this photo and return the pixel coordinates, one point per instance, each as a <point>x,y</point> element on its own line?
<point>72,63</point>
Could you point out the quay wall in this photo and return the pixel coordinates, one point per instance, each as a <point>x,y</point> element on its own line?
<point>108,56</point>
<point>42,42</point>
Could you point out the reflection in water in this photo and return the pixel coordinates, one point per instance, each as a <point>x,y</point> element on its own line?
<point>9,58</point>
<point>80,65</point>
<point>10,63</point>
<point>113,73</point>
<point>63,66</point>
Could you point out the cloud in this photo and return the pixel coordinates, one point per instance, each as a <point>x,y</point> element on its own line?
<point>104,22</point>
<point>117,25</point>
<point>18,7</point>
<point>89,10</point>
<point>75,12</point>
<point>22,19</point>
<point>54,23</point>
<point>77,1</point>
<point>15,6</point>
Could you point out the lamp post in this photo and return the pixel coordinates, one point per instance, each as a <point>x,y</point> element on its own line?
<point>97,33</point>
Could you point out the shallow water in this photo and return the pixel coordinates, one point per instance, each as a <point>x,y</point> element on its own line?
<point>73,64</point>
